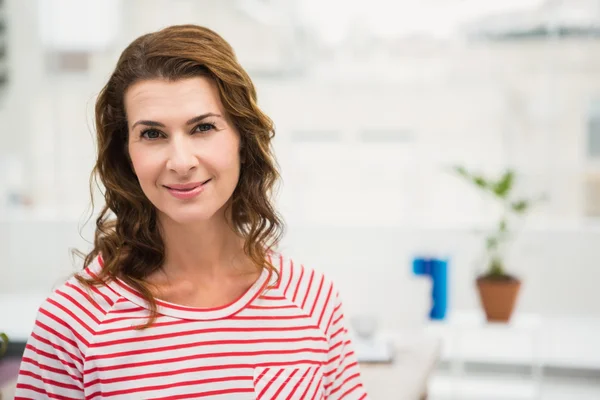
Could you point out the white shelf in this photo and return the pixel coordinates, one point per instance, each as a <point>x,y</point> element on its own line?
<point>529,339</point>
<point>477,388</point>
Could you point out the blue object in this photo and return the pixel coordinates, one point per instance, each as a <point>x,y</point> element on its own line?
<point>437,269</point>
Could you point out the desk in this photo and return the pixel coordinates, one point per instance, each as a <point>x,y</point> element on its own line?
<point>407,377</point>
<point>468,337</point>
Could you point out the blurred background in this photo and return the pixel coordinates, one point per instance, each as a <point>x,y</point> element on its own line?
<point>374,104</point>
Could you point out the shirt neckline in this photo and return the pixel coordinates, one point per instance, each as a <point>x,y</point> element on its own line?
<point>193,313</point>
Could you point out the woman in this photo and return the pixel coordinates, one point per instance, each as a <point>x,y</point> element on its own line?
<point>182,296</point>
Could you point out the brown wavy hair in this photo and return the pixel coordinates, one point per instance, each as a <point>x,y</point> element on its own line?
<point>127,234</point>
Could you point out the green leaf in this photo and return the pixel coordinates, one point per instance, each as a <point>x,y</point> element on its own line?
<point>480,181</point>
<point>496,267</point>
<point>504,185</point>
<point>462,171</point>
<point>491,243</point>
<point>477,180</point>
<point>520,206</point>
<point>502,226</point>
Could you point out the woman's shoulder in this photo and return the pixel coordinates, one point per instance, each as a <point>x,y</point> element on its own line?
<point>300,282</point>
<point>76,305</point>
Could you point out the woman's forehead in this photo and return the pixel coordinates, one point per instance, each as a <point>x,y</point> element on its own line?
<point>181,99</point>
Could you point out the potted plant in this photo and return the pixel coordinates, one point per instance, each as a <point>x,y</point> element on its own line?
<point>498,289</point>
<point>3,343</point>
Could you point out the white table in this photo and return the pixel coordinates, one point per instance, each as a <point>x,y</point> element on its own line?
<point>407,377</point>
<point>468,337</point>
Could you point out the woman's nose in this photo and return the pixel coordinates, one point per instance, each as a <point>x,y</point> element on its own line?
<point>182,158</point>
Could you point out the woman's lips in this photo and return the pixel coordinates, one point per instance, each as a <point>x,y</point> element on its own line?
<point>186,191</point>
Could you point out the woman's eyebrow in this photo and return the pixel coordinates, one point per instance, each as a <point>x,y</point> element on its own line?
<point>201,117</point>
<point>189,122</point>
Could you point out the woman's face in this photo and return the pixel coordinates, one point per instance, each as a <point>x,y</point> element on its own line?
<point>184,150</point>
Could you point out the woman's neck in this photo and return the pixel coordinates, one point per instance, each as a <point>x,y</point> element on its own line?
<point>203,253</point>
<point>205,265</point>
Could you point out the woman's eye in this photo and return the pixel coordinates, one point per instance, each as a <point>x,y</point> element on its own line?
<point>205,127</point>
<point>151,134</point>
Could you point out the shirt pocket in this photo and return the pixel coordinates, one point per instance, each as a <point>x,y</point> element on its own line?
<point>288,383</point>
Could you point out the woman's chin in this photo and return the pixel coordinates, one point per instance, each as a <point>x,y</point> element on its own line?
<point>188,218</point>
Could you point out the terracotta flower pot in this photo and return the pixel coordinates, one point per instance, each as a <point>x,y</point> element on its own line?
<point>498,297</point>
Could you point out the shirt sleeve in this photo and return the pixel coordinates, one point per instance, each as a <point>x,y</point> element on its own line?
<point>52,362</point>
<point>342,374</point>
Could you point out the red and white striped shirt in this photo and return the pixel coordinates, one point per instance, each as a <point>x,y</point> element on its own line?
<point>284,342</point>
